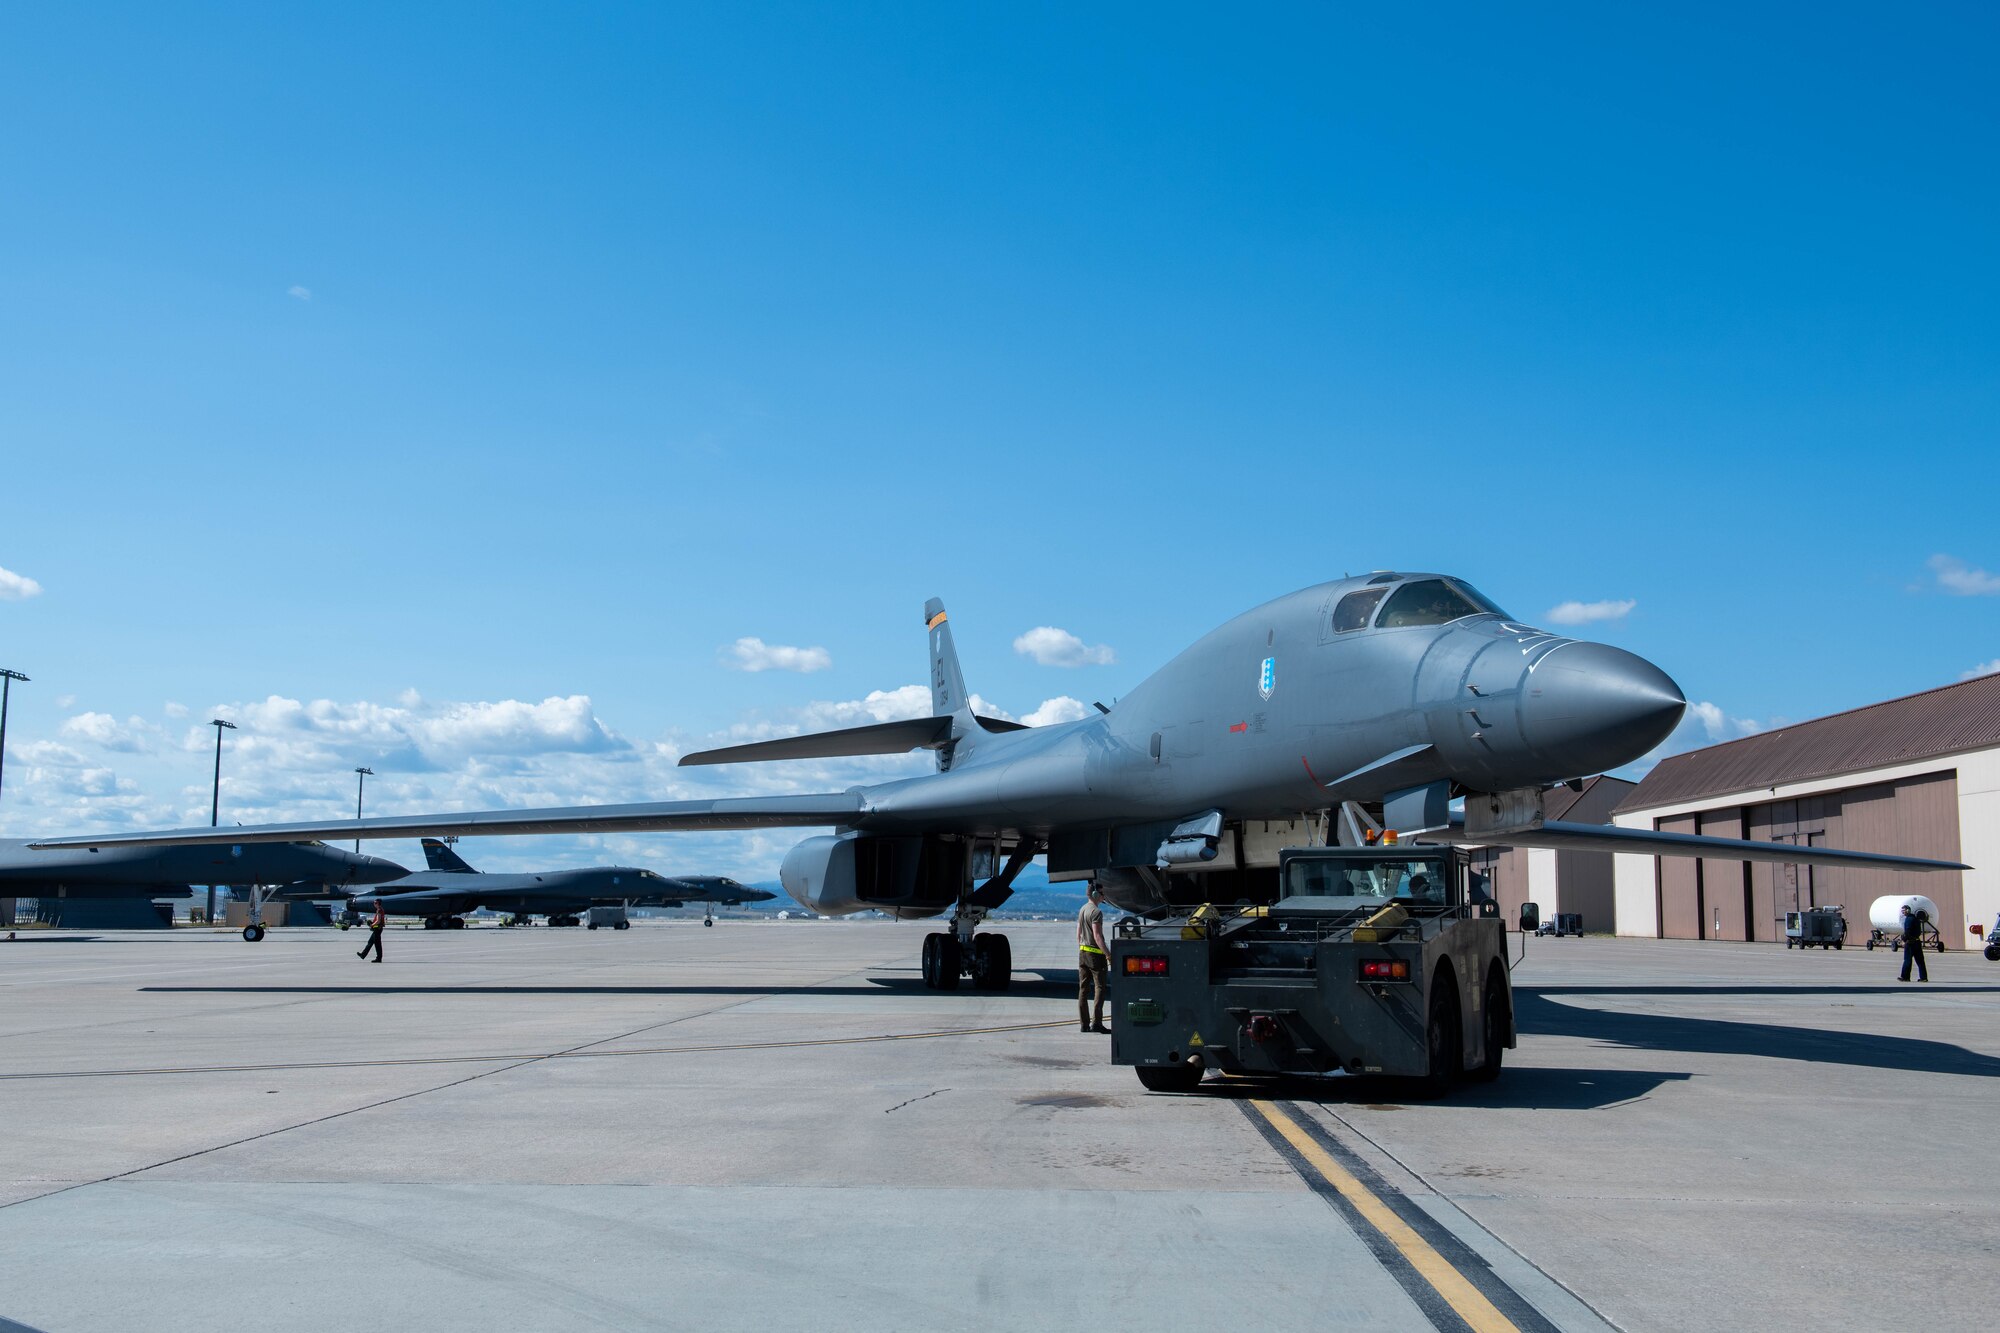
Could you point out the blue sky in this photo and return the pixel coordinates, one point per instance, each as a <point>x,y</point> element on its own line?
<point>425,366</point>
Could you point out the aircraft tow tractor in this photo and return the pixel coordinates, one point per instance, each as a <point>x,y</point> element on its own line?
<point>1372,960</point>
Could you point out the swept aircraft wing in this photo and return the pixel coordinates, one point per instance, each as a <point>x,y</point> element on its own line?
<point>729,814</point>
<point>1560,836</point>
<point>916,733</point>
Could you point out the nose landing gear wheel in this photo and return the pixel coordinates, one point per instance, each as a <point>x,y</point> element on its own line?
<point>251,934</point>
<point>708,921</point>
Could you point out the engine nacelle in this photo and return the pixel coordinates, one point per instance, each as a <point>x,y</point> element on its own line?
<point>854,872</point>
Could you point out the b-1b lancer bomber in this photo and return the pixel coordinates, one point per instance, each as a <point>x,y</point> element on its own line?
<point>452,888</point>
<point>1388,694</point>
<point>302,869</point>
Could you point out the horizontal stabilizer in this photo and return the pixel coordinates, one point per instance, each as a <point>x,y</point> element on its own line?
<point>1564,837</point>
<point>729,814</point>
<point>917,733</point>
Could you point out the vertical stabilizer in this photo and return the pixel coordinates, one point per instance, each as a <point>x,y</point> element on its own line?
<point>947,685</point>
<point>948,696</point>
<point>443,860</point>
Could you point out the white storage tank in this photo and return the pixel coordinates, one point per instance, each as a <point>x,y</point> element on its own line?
<point>1886,914</point>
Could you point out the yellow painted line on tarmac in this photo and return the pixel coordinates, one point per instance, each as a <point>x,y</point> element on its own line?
<point>1465,1299</point>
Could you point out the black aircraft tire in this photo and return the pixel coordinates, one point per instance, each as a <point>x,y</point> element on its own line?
<point>1493,1016</point>
<point>1183,1077</point>
<point>251,935</point>
<point>928,967</point>
<point>1445,1049</point>
<point>708,921</point>
<point>1000,970</point>
<point>622,925</point>
<point>950,962</point>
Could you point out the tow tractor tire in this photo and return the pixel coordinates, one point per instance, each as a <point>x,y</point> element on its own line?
<point>1183,1077</point>
<point>1496,1020</point>
<point>593,925</point>
<point>1443,1038</point>
<point>992,962</point>
<point>1993,953</point>
<point>621,925</point>
<point>950,962</point>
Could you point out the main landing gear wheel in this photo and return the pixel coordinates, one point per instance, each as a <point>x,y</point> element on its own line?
<point>992,962</point>
<point>251,934</point>
<point>1183,1077</point>
<point>942,962</point>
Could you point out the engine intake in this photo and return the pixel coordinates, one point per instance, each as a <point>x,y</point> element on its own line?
<point>853,872</point>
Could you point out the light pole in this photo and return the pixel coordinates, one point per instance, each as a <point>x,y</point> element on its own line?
<point>215,799</point>
<point>360,785</point>
<point>7,679</point>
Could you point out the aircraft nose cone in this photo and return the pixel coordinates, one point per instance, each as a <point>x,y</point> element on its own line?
<point>1588,707</point>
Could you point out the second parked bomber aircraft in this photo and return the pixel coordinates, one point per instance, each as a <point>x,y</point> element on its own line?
<point>452,888</point>
<point>1386,696</point>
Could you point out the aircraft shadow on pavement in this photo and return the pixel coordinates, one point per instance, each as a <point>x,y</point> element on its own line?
<point>1537,1013</point>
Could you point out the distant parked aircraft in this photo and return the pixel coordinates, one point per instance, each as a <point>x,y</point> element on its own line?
<point>295,870</point>
<point>451,888</point>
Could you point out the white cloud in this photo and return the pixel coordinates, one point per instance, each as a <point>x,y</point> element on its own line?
<point>1062,708</point>
<point>1983,669</point>
<point>1718,724</point>
<point>17,587</point>
<point>298,293</point>
<point>65,701</point>
<point>1059,648</point>
<point>1585,613</point>
<point>753,654</point>
<point>175,710</point>
<point>1955,576</point>
<point>105,732</point>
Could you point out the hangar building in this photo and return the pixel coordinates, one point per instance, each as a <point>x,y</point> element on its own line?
<point>1919,776</point>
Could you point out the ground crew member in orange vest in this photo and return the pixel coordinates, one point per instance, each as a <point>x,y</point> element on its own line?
<point>375,924</point>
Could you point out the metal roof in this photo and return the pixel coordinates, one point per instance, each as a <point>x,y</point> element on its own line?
<point>1947,720</point>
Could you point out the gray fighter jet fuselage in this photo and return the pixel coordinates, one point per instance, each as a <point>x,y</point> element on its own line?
<point>304,868</point>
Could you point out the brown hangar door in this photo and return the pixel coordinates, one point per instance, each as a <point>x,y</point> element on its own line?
<point>1678,884</point>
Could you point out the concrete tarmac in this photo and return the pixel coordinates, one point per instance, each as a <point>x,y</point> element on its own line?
<point>773,1125</point>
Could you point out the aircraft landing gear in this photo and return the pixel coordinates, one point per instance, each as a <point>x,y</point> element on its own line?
<point>253,933</point>
<point>621,925</point>
<point>949,956</point>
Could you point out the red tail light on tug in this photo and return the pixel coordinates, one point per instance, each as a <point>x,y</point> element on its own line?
<point>1145,965</point>
<point>1385,969</point>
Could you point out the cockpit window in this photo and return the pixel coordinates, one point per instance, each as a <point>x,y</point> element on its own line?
<point>1433,602</point>
<point>1354,609</point>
